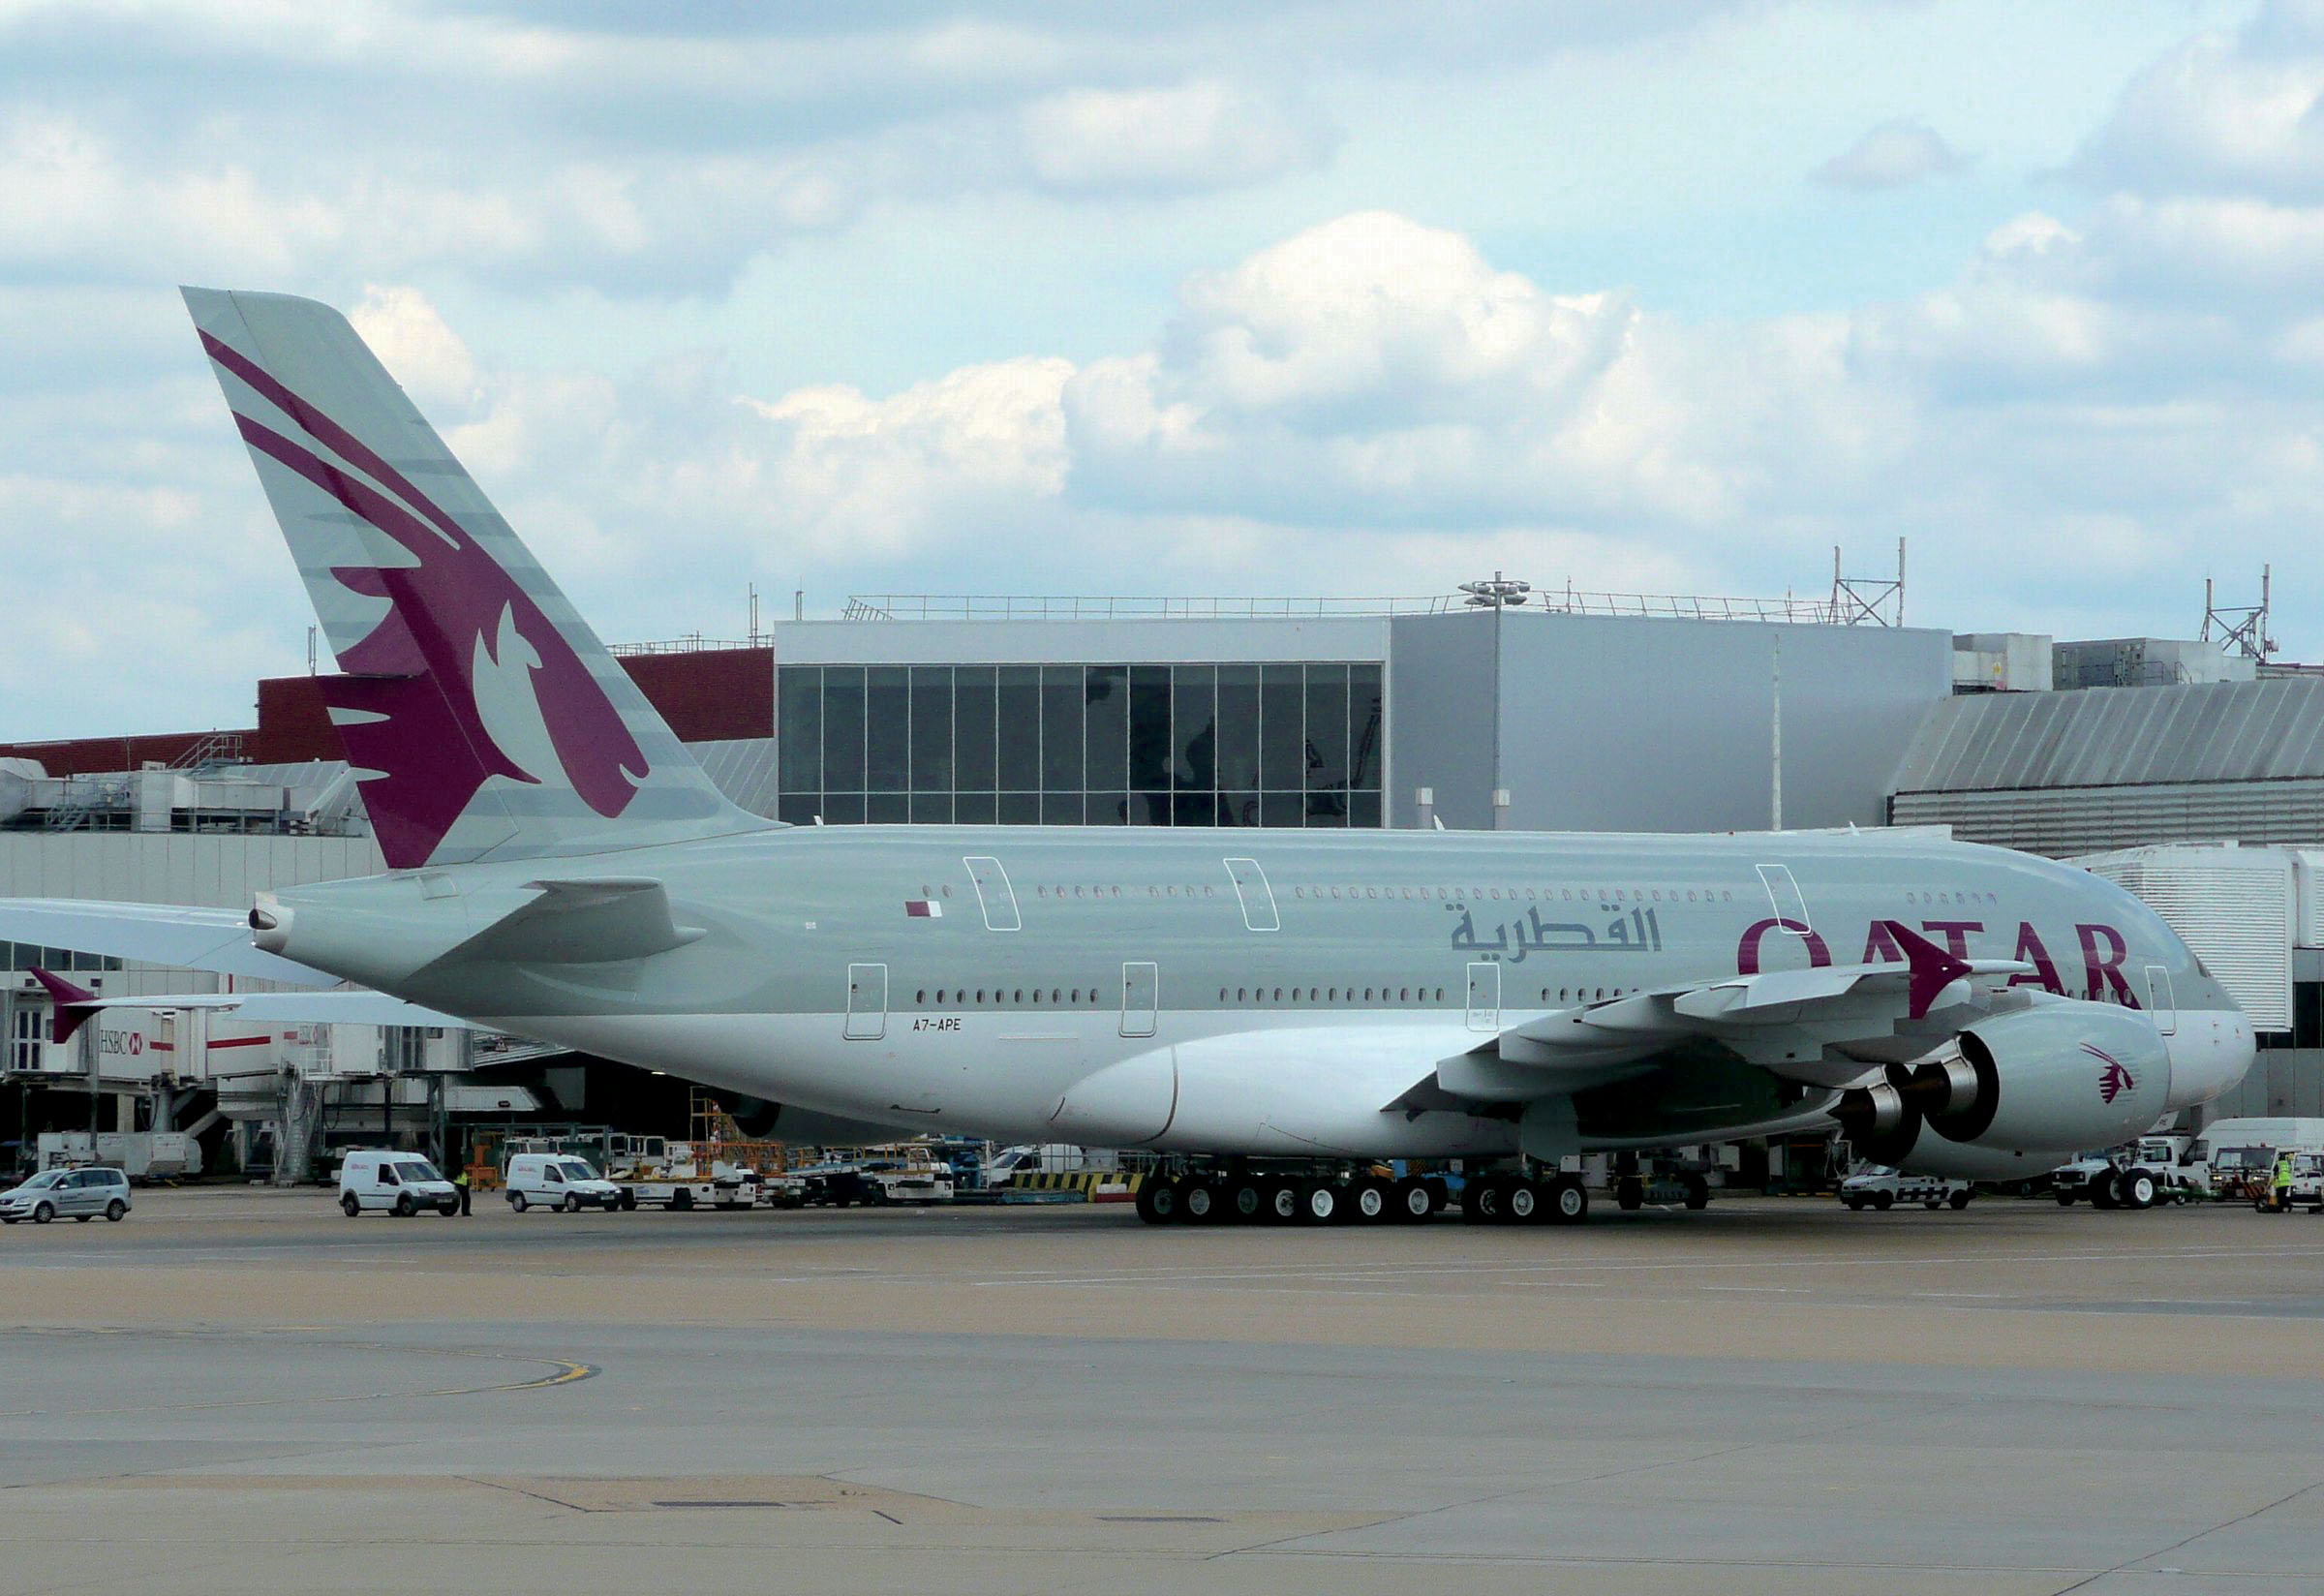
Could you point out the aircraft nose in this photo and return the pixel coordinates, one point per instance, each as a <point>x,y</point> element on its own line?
<point>2210,1056</point>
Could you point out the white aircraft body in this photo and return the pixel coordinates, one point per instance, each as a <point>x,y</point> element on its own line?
<point>562,869</point>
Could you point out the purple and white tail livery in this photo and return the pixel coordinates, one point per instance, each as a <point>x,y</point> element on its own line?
<point>483,716</point>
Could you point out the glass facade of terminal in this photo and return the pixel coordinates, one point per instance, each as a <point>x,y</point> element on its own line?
<point>1240,745</point>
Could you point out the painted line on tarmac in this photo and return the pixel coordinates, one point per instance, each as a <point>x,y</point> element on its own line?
<point>564,1371</point>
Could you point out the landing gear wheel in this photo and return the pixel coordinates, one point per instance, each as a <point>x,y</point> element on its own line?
<point>1322,1204</point>
<point>1568,1201</point>
<point>2134,1189</point>
<point>1371,1202</point>
<point>1159,1200</point>
<point>404,1208</point>
<point>1698,1192</point>
<point>348,1206</point>
<point>1959,1200</point>
<point>1883,1200</point>
<point>1246,1203</point>
<point>516,1201</point>
<point>1480,1202</point>
<point>1280,1203</point>
<point>1202,1205</point>
<point>1520,1202</point>
<point>1414,1202</point>
<point>115,1209</point>
<point>1630,1194</point>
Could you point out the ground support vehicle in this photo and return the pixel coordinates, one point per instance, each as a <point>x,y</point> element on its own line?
<point>566,1183</point>
<point>77,1194</point>
<point>1882,1187</point>
<point>2138,1177</point>
<point>400,1184</point>
<point>679,1194</point>
<point>2241,1173</point>
<point>1661,1178</point>
<point>2307,1183</point>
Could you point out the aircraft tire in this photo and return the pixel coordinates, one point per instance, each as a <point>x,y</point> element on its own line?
<point>1322,1203</point>
<point>1159,1200</point>
<point>1481,1201</point>
<point>1203,1203</point>
<point>1372,1201</point>
<point>2135,1189</point>
<point>1568,1201</point>
<point>1246,1202</point>
<point>1279,1203</point>
<point>1414,1201</point>
<point>1522,1202</point>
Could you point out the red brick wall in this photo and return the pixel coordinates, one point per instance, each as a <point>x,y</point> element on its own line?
<point>715,693</point>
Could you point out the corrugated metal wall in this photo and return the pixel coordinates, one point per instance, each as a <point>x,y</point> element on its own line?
<point>2234,907</point>
<point>2058,821</point>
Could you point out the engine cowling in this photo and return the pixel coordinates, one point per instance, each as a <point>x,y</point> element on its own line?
<point>2067,1075</point>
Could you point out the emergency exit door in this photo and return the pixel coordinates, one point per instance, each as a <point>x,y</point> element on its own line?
<point>867,1003</point>
<point>1140,998</point>
<point>1484,996</point>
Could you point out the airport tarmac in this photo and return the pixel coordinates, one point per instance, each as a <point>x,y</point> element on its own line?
<point>242,1390</point>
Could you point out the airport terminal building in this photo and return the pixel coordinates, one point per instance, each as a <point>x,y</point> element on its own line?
<point>1217,713</point>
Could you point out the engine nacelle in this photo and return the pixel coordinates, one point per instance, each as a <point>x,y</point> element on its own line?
<point>2065,1074</point>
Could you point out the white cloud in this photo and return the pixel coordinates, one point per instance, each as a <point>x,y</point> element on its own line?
<point>1200,134</point>
<point>2224,114</point>
<point>411,341</point>
<point>1893,155</point>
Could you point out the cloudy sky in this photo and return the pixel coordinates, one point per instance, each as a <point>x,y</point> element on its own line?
<point>1357,297</point>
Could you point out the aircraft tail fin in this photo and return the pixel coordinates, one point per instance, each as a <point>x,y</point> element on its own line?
<point>480,713</point>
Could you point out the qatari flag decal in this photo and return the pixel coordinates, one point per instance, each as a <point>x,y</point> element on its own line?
<point>921,908</point>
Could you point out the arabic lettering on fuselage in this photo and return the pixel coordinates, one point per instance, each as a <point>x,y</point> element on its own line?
<point>1640,931</point>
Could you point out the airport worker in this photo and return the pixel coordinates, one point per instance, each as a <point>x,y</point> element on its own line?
<point>2279,1184</point>
<point>461,1182</point>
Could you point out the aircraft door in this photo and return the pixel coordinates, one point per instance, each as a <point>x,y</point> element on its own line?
<point>1782,896</point>
<point>1257,898</point>
<point>2161,1001</point>
<point>1484,996</point>
<point>1141,985</point>
<point>867,1003</point>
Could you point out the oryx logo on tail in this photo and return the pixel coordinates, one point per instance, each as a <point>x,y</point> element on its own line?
<point>464,678</point>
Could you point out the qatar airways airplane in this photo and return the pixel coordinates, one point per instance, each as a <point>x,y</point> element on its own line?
<point>560,868</point>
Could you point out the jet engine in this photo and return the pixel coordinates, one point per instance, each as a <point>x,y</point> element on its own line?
<point>2064,1075</point>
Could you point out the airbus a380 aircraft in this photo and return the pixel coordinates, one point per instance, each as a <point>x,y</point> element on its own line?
<point>562,869</point>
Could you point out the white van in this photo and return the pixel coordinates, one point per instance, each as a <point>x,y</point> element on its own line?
<point>557,1180</point>
<point>400,1184</point>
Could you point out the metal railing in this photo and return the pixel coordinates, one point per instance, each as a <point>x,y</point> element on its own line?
<point>1001,606</point>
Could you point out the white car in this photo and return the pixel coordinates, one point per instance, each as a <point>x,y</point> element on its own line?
<point>1881,1188</point>
<point>80,1194</point>
<point>400,1184</point>
<point>559,1181</point>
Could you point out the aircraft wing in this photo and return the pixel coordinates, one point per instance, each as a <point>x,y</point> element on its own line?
<point>1782,1019</point>
<point>216,939</point>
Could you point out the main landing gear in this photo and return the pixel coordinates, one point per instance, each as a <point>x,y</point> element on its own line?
<point>1520,1200</point>
<point>1258,1198</point>
<point>1249,1197</point>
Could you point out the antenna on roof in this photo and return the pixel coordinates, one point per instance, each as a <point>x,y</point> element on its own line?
<point>2241,629</point>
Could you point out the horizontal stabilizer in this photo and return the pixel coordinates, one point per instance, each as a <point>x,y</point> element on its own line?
<point>215,939</point>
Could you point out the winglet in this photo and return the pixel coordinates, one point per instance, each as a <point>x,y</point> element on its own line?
<point>1932,969</point>
<point>75,1007</point>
